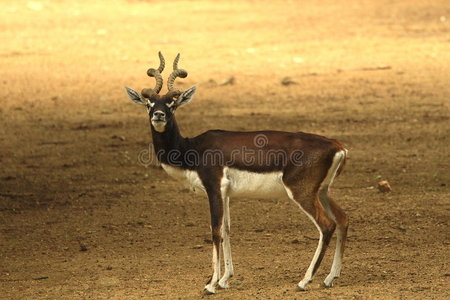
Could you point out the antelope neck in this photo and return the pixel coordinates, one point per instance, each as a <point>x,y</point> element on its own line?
<point>169,141</point>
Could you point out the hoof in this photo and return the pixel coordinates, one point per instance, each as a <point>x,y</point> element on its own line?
<point>302,289</point>
<point>328,282</point>
<point>302,285</point>
<point>209,290</point>
<point>223,285</point>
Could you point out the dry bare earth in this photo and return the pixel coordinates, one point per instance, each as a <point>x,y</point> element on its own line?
<point>82,218</point>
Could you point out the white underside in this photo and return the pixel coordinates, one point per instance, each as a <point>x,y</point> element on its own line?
<point>239,183</point>
<point>188,177</point>
<point>255,185</point>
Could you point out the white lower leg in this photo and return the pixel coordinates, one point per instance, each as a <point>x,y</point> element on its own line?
<point>211,286</point>
<point>229,271</point>
<point>337,261</point>
<point>309,273</point>
<point>223,283</point>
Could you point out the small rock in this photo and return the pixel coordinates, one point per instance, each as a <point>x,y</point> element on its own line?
<point>229,81</point>
<point>288,81</point>
<point>384,186</point>
<point>118,137</point>
<point>83,247</point>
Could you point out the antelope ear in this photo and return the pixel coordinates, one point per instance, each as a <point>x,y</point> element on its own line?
<point>135,96</point>
<point>186,96</point>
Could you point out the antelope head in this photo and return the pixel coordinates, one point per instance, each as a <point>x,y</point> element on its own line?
<point>161,108</point>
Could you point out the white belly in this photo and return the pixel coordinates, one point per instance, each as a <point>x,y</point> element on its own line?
<point>235,183</point>
<point>255,185</point>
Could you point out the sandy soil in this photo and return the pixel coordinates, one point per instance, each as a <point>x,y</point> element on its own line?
<point>82,218</point>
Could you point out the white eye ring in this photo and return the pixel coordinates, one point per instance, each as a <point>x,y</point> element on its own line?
<point>169,105</point>
<point>150,104</point>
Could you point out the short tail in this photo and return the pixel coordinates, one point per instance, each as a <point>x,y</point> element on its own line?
<point>342,164</point>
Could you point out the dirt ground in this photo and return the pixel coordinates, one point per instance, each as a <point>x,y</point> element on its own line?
<point>81,217</point>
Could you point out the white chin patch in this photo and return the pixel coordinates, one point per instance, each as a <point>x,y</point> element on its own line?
<point>159,126</point>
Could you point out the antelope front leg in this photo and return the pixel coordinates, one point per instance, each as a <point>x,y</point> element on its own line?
<point>229,271</point>
<point>216,209</point>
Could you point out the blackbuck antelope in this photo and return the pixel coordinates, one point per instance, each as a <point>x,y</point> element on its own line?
<point>264,164</point>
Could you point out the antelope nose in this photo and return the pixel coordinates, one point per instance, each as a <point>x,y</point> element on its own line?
<point>159,114</point>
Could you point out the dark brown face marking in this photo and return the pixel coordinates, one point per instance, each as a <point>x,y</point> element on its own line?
<point>161,104</point>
